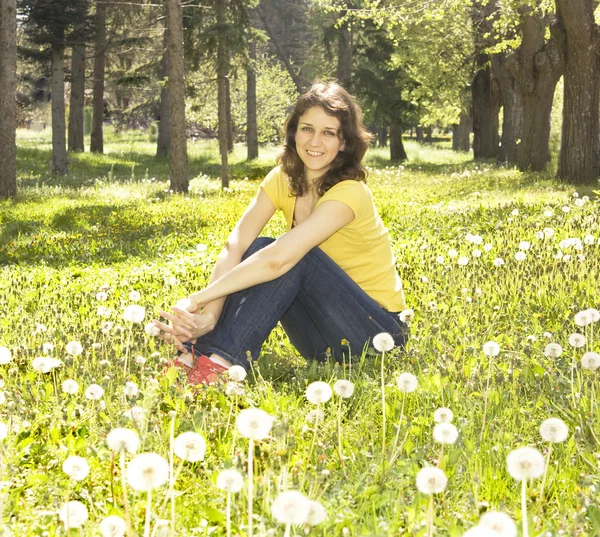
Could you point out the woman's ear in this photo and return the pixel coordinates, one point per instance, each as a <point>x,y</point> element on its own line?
<point>343,146</point>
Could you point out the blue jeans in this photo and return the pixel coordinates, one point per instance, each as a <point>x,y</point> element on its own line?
<point>318,305</point>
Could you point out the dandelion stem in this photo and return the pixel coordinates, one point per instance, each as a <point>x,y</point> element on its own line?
<point>430,517</point>
<point>339,427</point>
<point>126,364</point>
<point>228,513</point>
<point>172,477</point>
<point>573,381</point>
<point>148,514</point>
<point>125,497</point>
<point>250,484</point>
<point>312,445</point>
<point>524,507</point>
<point>545,475</point>
<point>399,427</point>
<point>441,459</point>
<point>485,404</point>
<point>287,530</point>
<point>383,429</point>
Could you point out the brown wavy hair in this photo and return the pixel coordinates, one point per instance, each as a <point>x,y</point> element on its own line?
<point>336,102</point>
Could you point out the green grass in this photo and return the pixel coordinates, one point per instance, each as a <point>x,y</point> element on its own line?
<point>106,227</point>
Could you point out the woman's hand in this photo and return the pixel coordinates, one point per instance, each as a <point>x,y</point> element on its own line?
<point>185,326</point>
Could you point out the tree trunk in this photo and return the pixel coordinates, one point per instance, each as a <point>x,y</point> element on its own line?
<point>8,103</point>
<point>419,134</point>
<point>344,60</point>
<point>382,136</point>
<point>486,107</point>
<point>228,114</point>
<point>461,133</point>
<point>222,72</point>
<point>537,66</point>
<point>428,135</point>
<point>97,136</point>
<point>178,163</point>
<point>76,103</point>
<point>512,102</point>
<point>579,159</point>
<point>163,140</point>
<point>251,127</point>
<point>59,139</point>
<point>397,151</point>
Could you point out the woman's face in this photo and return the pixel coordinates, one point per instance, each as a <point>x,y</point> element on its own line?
<point>318,141</point>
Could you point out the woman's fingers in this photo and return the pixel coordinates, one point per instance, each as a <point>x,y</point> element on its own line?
<point>184,321</point>
<point>175,330</point>
<point>185,316</point>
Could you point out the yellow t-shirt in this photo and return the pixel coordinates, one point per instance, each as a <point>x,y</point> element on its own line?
<point>361,248</point>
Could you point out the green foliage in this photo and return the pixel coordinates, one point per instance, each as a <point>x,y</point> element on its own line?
<point>61,244</point>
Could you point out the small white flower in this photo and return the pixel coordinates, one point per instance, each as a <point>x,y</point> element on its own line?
<point>566,209</point>
<point>135,413</point>
<point>316,513</point>
<point>131,389</point>
<point>524,245</point>
<point>147,471</point>
<point>487,247</point>
<point>548,232</point>
<point>73,514</point>
<point>315,415</point>
<point>443,415</point>
<point>106,327</point>
<point>134,296</point>
<point>463,261</point>
<point>318,392</point>
<point>548,213</point>
<point>440,259</point>
<point>554,430</point>
<point>577,340</point>
<point>476,253</point>
<point>254,423</point>
<point>237,373</point>
<point>291,507</point>
<point>579,202</point>
<point>112,526</point>
<point>230,480</point>
<point>47,348</point>
<point>498,262</point>
<point>590,361</point>
<point>477,239</point>
<point>407,315</point>
<point>74,348</point>
<point>76,468</point>
<point>101,296</point>
<point>594,314</point>
<point>201,248</point>
<point>42,364</point>
<point>134,313</point>
<point>491,348</point>
<point>383,342</point>
<point>515,212</point>
<point>452,253</point>
<point>3,430</point>
<point>94,392</point>
<point>40,328</point>
<point>104,311</point>
<point>139,360</point>
<point>5,355</point>
<point>343,388</point>
<point>234,388</point>
<point>407,382</point>
<point>431,480</point>
<point>589,240</point>
<point>552,350</point>
<point>152,330</point>
<point>525,463</point>
<point>2,398</point>
<point>190,446</point>
<point>539,234</point>
<point>445,433</point>
<point>583,318</point>
<point>520,256</point>
<point>499,522</point>
<point>70,386</point>
<point>121,439</point>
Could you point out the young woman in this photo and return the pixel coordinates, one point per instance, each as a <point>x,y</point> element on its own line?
<point>330,279</point>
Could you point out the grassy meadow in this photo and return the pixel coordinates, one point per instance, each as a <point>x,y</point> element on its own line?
<point>113,227</point>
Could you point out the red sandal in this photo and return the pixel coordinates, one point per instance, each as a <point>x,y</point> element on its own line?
<point>205,371</point>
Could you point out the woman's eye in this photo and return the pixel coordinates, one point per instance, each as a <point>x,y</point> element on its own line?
<point>306,129</point>
<point>329,133</point>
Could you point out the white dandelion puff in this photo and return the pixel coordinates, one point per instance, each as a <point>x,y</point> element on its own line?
<point>577,340</point>
<point>520,256</point>
<point>452,253</point>
<point>122,439</point>
<point>445,433</point>
<point>5,355</point>
<point>131,389</point>
<point>151,330</point>
<point>316,513</point>
<point>134,313</point>
<point>552,350</point>
<point>590,361</point>
<point>491,348</point>
<point>230,480</point>
<point>407,382</point>
<point>498,262</point>
<point>443,415</point>
<point>463,261</point>
<point>525,463</point>
<point>406,316</point>
<point>190,446</point>
<point>135,413</point>
<point>480,531</point>
<point>237,373</point>
<point>554,430</point>
<point>74,348</point>
<point>94,392</point>
<point>524,245</point>
<point>594,314</point>
<point>134,296</point>
<point>41,364</point>
<point>254,423</point>
<point>112,526</point>
<point>431,480</point>
<point>73,514</point>
<point>291,507</point>
<point>318,392</point>
<point>343,388</point>
<point>77,468</point>
<point>583,318</point>
<point>147,471</point>
<point>70,386</point>
<point>383,342</point>
<point>499,522</point>
<point>3,430</point>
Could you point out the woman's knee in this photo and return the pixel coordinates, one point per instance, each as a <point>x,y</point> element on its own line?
<point>258,244</point>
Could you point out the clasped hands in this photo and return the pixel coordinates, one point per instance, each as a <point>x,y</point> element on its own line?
<point>188,323</point>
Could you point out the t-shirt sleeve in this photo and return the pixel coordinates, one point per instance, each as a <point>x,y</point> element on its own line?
<point>272,185</point>
<point>351,193</point>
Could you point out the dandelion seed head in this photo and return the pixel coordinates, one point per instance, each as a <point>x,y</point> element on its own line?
<point>499,522</point>
<point>498,262</point>
<point>407,382</point>
<point>135,413</point>
<point>525,463</point>
<point>445,433</point>
<point>254,423</point>
<point>520,256</point>
<point>134,296</point>
<point>190,446</point>
<point>383,342</point>
<point>151,330</point>
<point>343,388</point>
<point>443,415</point>
<point>131,389</point>
<point>491,348</point>
<point>74,348</point>
<point>73,514</point>
<point>147,471</point>
<point>583,318</point>
<point>230,480</point>
<point>480,531</point>
<point>291,507</point>
<point>112,526</point>
<point>318,392</point>
<point>134,313</point>
<point>77,468</point>
<point>577,340</point>
<point>5,355</point>
<point>552,350</point>
<point>41,364</point>
<point>122,439</point>
<point>234,388</point>
<point>3,430</point>
<point>237,373</point>
<point>101,296</point>
<point>440,259</point>
<point>316,414</point>
<point>595,314</point>
<point>524,245</point>
<point>431,480</point>
<point>316,513</point>
<point>554,430</point>
<point>94,392</point>
<point>487,247</point>
<point>463,261</point>
<point>406,316</point>
<point>590,361</point>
